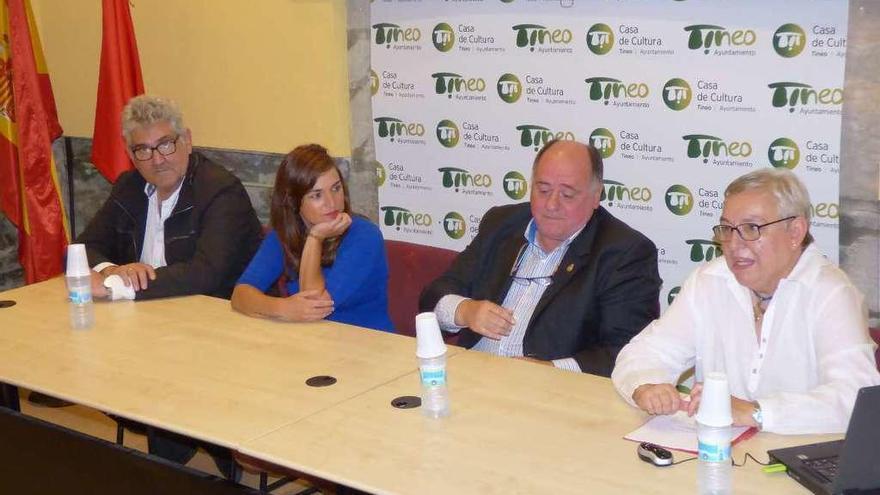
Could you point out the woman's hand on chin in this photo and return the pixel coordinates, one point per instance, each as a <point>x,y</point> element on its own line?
<point>331,228</point>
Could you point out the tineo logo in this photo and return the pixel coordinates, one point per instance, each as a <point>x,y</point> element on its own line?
<point>387,33</point>
<point>718,36</point>
<point>537,136</point>
<point>515,185</point>
<point>380,174</point>
<point>447,133</point>
<point>618,191</point>
<point>784,153</point>
<point>679,199</point>
<point>605,88</point>
<point>704,249</point>
<point>672,293</point>
<point>398,217</point>
<point>703,145</point>
<point>535,34</point>
<point>454,225</point>
<point>604,141</point>
<point>793,94</point>
<point>454,177</point>
<point>677,94</point>
<point>825,210</point>
<point>509,88</point>
<point>374,83</point>
<point>443,37</point>
<point>449,82</point>
<point>391,128</point>
<point>789,40</point>
<point>600,39</point>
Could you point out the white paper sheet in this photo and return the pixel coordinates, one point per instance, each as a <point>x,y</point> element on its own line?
<point>676,431</point>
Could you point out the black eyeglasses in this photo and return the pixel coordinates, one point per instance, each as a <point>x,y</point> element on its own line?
<point>746,231</point>
<point>165,148</point>
<point>542,281</point>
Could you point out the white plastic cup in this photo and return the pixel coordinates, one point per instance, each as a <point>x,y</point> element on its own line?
<point>77,262</point>
<point>715,401</point>
<point>429,340</point>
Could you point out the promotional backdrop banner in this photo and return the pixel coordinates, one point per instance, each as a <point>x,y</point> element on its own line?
<point>680,98</point>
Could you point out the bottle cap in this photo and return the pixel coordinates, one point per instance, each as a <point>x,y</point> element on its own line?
<point>77,262</point>
<point>715,401</point>
<point>429,340</point>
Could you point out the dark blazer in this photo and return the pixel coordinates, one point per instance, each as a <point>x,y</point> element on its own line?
<point>210,236</point>
<point>604,292</point>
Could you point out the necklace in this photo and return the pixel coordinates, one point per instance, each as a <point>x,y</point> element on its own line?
<point>761,304</point>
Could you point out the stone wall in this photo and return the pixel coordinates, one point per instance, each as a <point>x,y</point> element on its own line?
<point>860,155</point>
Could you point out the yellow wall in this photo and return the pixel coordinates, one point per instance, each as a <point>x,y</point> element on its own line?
<point>255,75</point>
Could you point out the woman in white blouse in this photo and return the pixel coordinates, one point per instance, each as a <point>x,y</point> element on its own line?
<point>784,323</point>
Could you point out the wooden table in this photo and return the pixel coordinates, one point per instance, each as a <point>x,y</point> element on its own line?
<point>515,427</point>
<point>191,365</point>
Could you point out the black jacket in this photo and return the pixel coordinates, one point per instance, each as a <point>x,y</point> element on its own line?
<point>604,292</point>
<point>210,236</point>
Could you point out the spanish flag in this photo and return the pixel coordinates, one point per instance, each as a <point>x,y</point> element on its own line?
<point>119,80</point>
<point>30,194</point>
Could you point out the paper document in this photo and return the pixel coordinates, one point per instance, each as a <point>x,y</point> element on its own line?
<point>678,432</point>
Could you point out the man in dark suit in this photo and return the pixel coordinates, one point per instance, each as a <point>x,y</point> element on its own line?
<point>557,280</point>
<point>178,224</point>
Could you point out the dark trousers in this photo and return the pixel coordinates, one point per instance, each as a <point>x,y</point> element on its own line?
<point>181,449</point>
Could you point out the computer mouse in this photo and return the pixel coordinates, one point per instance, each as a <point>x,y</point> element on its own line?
<point>654,454</point>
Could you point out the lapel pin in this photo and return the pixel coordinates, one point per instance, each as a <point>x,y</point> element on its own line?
<point>570,267</point>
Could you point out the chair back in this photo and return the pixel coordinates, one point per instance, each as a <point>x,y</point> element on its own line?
<point>410,268</point>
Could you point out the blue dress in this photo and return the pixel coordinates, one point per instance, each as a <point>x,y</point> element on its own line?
<point>357,280</point>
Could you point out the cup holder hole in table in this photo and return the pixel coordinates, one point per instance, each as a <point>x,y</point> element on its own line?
<point>321,381</point>
<point>406,402</point>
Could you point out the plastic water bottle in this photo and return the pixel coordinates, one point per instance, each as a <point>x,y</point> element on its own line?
<point>82,311</point>
<point>79,288</point>
<point>713,437</point>
<point>435,395</point>
<point>715,469</point>
<point>431,351</point>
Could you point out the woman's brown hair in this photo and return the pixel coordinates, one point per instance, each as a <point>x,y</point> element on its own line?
<point>296,176</point>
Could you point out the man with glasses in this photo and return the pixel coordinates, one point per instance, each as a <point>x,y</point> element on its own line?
<point>557,280</point>
<point>785,324</point>
<point>178,224</point>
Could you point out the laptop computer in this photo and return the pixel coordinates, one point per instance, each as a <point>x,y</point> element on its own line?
<point>842,466</point>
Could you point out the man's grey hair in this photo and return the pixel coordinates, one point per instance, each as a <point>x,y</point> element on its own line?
<point>145,110</point>
<point>792,197</point>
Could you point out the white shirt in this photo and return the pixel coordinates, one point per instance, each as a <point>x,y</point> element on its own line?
<point>521,299</point>
<point>814,354</point>
<point>153,252</point>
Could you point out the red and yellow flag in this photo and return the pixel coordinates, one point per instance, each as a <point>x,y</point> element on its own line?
<point>30,194</point>
<point>118,81</point>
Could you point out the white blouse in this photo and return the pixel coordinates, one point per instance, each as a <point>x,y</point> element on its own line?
<point>814,353</point>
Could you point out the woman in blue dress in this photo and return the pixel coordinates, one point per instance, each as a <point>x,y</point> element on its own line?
<point>334,261</point>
